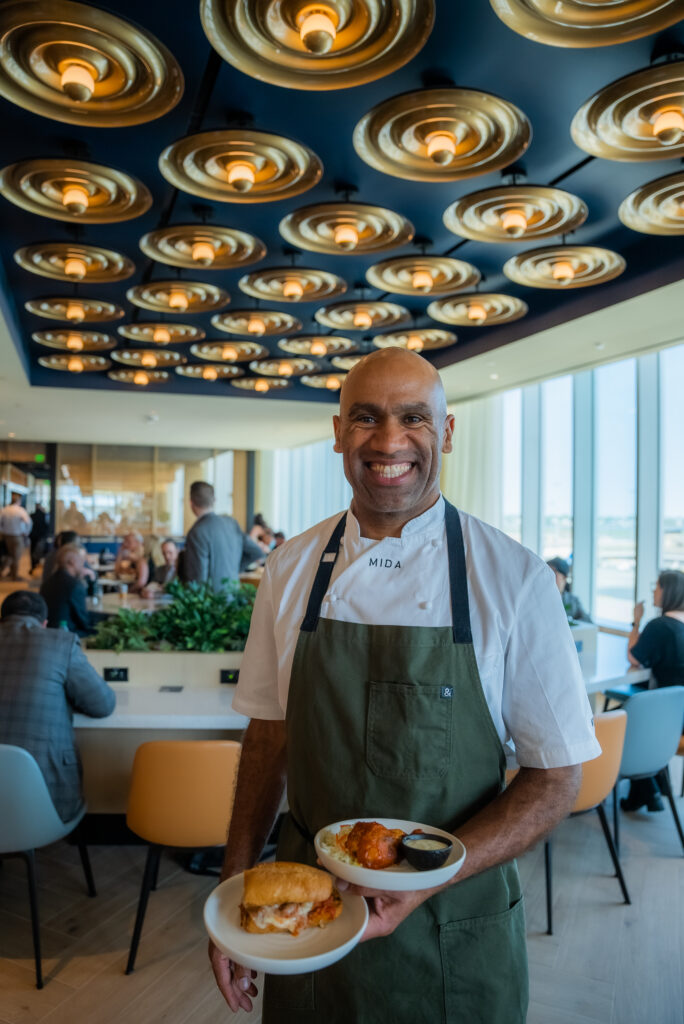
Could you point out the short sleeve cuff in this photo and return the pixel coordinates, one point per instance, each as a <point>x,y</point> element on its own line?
<point>254,709</point>
<point>559,757</point>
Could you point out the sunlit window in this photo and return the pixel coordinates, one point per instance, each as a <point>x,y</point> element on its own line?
<point>512,464</point>
<point>672,458</point>
<point>556,468</point>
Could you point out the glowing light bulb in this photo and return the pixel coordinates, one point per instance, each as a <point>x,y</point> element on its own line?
<point>241,176</point>
<point>422,280</point>
<point>77,83</point>
<point>140,378</point>
<point>292,289</point>
<point>261,385</point>
<point>285,369</point>
<point>75,312</point>
<point>149,360</point>
<point>178,299</point>
<point>75,198</point>
<point>362,319</point>
<point>668,127</point>
<point>514,223</point>
<point>204,253</point>
<point>563,272</point>
<point>161,335</point>
<point>256,325</point>
<point>229,353</point>
<point>318,348</point>
<point>477,314</point>
<point>441,147</point>
<point>317,31</point>
<point>74,343</point>
<point>346,236</point>
<point>75,365</point>
<point>333,384</point>
<point>75,267</point>
<point>209,373</point>
<point>415,343</point>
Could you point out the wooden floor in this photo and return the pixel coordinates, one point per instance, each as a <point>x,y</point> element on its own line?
<point>606,962</point>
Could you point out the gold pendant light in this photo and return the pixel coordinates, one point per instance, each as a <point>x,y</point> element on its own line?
<point>656,208</point>
<point>140,378</point>
<point>282,367</point>
<point>81,363</point>
<point>178,296</point>
<point>442,135</point>
<point>75,341</point>
<point>261,385</point>
<point>345,363</point>
<point>325,44</point>
<point>584,23</point>
<point>416,340</point>
<point>151,333</point>
<point>330,381</point>
<point>477,309</point>
<point>66,261</point>
<point>256,323</point>
<point>353,228</point>
<point>240,166</point>
<point>229,351</point>
<point>318,345</point>
<point>148,358</point>
<point>564,266</point>
<point>210,372</point>
<point>80,310</point>
<point>204,246</point>
<point>82,65</point>
<point>506,213</point>
<point>442,275</point>
<point>361,316</point>
<point>293,284</point>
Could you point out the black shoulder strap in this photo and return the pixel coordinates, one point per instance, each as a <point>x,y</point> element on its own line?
<point>458,581</point>
<point>323,575</point>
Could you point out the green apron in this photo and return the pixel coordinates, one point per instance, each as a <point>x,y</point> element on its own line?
<point>392,721</point>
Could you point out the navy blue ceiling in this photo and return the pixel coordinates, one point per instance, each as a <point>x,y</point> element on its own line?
<point>468,46</point>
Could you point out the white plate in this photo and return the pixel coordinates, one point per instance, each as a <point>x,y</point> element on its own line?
<point>311,950</point>
<point>400,877</point>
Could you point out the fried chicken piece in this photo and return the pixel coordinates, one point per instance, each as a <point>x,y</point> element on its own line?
<point>373,845</point>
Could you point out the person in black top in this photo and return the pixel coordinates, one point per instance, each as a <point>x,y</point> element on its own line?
<point>659,647</point>
<point>65,592</point>
<point>40,529</point>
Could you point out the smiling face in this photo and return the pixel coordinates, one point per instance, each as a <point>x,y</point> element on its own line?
<point>392,430</point>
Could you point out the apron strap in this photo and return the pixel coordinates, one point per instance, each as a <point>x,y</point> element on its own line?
<point>458,581</point>
<point>323,576</point>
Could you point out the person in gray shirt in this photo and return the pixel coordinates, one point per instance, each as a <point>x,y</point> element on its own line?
<point>44,678</point>
<point>216,549</point>
<point>571,603</point>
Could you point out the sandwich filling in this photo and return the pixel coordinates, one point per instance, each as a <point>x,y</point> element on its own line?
<point>294,917</point>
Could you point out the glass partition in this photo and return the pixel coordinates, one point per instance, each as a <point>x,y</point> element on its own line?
<point>671,459</point>
<point>556,468</point>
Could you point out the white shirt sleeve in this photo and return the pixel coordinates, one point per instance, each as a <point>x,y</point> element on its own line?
<point>256,694</point>
<point>545,704</point>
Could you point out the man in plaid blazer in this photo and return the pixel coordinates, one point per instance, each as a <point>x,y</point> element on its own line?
<point>44,678</point>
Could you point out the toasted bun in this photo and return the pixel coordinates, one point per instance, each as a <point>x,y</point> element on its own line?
<point>284,882</point>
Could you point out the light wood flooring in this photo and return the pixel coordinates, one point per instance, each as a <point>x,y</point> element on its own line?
<point>606,963</point>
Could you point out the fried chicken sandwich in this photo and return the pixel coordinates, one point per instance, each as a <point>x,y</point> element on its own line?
<point>286,897</point>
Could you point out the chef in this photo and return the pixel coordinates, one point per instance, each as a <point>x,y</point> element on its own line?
<point>399,655</point>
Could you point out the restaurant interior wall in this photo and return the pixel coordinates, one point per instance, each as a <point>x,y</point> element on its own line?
<point>106,490</point>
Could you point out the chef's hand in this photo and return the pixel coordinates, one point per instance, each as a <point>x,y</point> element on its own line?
<point>234,981</point>
<point>386,909</point>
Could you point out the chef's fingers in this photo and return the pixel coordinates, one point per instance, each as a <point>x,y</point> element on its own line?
<point>242,981</point>
<point>223,974</point>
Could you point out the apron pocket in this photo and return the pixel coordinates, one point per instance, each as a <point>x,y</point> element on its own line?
<point>484,964</point>
<point>408,732</point>
<point>283,992</point>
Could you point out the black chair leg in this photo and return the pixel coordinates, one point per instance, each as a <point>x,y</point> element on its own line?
<point>663,780</point>
<point>85,861</point>
<point>600,810</point>
<point>155,880</point>
<point>30,857</point>
<point>151,868</point>
<point>616,818</point>
<point>549,887</point>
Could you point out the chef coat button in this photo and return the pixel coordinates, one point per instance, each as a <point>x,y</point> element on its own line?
<point>435,543</point>
<point>425,604</point>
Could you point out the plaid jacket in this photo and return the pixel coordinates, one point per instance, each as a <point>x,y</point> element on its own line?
<point>44,678</point>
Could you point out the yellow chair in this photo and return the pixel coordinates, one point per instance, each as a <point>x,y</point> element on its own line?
<point>598,779</point>
<point>181,796</point>
<point>680,753</point>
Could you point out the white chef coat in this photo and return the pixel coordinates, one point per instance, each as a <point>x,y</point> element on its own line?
<point>525,654</point>
<point>15,521</point>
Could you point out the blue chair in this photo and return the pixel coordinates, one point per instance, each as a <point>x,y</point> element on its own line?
<point>28,820</point>
<point>654,729</point>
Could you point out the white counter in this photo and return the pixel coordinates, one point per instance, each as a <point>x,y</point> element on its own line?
<point>142,707</point>
<point>612,665</point>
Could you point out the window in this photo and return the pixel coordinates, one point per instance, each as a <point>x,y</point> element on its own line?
<point>615,490</point>
<point>671,546</point>
<point>556,468</point>
<point>512,464</point>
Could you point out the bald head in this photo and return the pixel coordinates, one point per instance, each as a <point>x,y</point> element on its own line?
<point>385,366</point>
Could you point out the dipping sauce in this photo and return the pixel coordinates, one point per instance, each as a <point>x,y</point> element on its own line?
<point>426,844</point>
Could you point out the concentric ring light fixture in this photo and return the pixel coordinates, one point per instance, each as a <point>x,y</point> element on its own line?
<point>202,245</point>
<point>564,266</point>
<point>319,345</point>
<point>81,65</point>
<point>79,310</point>
<point>210,371</point>
<point>477,309</point>
<point>261,385</point>
<point>638,117</point>
<point>294,284</point>
<point>330,381</point>
<point>282,367</point>
<point>354,228</point>
<point>160,333</point>
<point>345,363</point>
<point>74,190</point>
<point>360,316</point>
<point>578,23</point>
<point>178,296</point>
<point>656,208</point>
<point>256,323</point>
<point>229,351</point>
<point>419,340</point>
<point>442,135</point>
<point>240,166</point>
<point>141,378</point>
<point>148,358</point>
<point>75,341</point>
<point>65,261</point>
<point>325,44</point>
<point>75,363</point>
<point>422,275</point>
<point>506,213</point>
